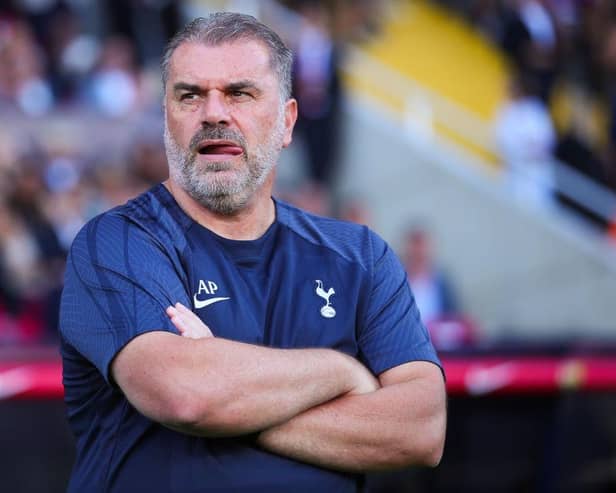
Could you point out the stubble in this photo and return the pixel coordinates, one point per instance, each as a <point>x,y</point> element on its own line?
<point>221,193</point>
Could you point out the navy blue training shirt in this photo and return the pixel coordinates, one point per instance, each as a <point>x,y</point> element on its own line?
<point>307,282</point>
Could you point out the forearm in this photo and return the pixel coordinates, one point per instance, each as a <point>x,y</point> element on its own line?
<point>217,387</point>
<point>251,388</point>
<point>393,427</point>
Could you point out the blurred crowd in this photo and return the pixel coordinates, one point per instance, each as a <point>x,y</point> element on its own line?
<point>563,94</point>
<point>65,54</point>
<point>46,195</point>
<point>81,128</point>
<point>80,132</point>
<point>81,125</point>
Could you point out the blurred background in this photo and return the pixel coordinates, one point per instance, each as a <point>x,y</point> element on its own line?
<point>478,137</point>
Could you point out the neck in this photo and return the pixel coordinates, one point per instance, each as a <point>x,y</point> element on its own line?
<point>249,223</point>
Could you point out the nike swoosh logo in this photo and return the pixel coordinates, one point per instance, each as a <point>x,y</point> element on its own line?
<point>203,303</point>
<point>15,381</point>
<point>482,380</point>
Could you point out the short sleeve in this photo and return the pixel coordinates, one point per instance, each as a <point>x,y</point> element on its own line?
<point>391,331</point>
<point>118,283</point>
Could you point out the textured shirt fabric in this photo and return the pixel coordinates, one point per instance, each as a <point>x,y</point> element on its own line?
<point>307,282</point>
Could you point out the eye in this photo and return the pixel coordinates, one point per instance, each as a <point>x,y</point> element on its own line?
<point>188,96</point>
<point>239,94</point>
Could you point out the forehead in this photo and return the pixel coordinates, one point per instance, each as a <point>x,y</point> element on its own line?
<point>238,60</point>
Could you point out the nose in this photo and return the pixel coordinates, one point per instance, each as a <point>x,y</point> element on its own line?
<point>214,110</point>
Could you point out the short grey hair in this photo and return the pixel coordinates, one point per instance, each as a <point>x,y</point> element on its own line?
<point>226,27</point>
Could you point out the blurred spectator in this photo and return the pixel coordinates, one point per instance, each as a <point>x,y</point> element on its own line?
<point>433,293</point>
<point>64,200</point>
<point>526,138</point>
<point>72,54</point>
<point>531,38</point>
<point>318,92</point>
<point>19,258</point>
<point>435,297</point>
<point>147,23</point>
<point>22,80</point>
<point>113,88</point>
<point>32,259</point>
<point>18,268</point>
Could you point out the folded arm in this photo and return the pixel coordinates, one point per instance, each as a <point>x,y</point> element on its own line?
<point>400,424</point>
<point>216,387</point>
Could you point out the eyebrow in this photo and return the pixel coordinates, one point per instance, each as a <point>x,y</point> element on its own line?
<point>233,86</point>
<point>184,86</point>
<point>242,84</point>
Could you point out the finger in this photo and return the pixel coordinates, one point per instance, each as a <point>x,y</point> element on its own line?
<point>188,315</point>
<point>194,334</point>
<point>182,309</point>
<point>187,329</point>
<point>179,323</point>
<point>188,322</point>
<point>183,314</point>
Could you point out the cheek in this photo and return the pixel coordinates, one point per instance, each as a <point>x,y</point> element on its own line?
<point>179,130</point>
<point>182,120</point>
<point>266,125</point>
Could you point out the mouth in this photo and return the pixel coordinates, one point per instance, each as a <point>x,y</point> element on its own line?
<point>219,149</point>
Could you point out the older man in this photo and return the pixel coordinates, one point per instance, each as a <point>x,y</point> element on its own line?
<point>315,366</point>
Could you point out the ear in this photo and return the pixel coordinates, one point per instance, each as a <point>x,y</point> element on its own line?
<point>290,117</point>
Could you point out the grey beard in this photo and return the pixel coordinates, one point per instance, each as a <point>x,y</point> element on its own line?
<point>200,182</point>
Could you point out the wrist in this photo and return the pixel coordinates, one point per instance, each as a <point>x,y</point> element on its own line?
<point>340,371</point>
<point>353,375</point>
<point>362,381</point>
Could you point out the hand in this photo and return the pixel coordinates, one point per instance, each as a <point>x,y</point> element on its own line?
<point>187,322</point>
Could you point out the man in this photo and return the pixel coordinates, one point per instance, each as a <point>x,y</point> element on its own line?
<point>434,294</point>
<point>318,368</point>
<point>317,88</point>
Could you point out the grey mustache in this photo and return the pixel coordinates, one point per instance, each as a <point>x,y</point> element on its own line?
<point>217,133</point>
